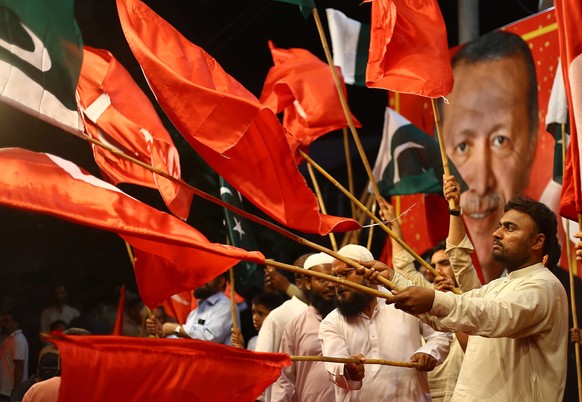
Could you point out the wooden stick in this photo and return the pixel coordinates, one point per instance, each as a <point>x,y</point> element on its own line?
<point>321,203</point>
<point>349,168</point>
<point>329,359</point>
<point>232,301</point>
<point>374,218</point>
<point>330,278</point>
<point>344,104</point>
<point>445,160</point>
<point>371,229</point>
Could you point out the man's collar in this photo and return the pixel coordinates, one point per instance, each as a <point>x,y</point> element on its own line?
<point>212,299</point>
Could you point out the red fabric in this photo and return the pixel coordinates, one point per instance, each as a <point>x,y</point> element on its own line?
<point>569,15</point>
<point>409,52</point>
<point>129,123</point>
<point>171,256</point>
<point>302,86</point>
<point>181,304</point>
<point>118,327</point>
<point>238,137</point>
<point>122,369</point>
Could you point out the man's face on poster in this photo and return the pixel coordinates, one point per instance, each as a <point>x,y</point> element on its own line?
<point>487,136</point>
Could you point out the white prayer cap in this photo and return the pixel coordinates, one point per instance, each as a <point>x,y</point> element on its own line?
<point>356,252</point>
<point>317,259</point>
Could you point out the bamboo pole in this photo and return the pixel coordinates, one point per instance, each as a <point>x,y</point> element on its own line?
<point>232,301</point>
<point>349,168</point>
<point>240,212</point>
<point>445,160</point>
<point>344,104</point>
<point>571,272</point>
<point>149,312</point>
<point>330,278</point>
<point>371,229</point>
<point>321,203</point>
<point>374,218</point>
<point>329,359</point>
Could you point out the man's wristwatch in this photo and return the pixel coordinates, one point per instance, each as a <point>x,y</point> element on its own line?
<point>456,212</point>
<point>178,331</point>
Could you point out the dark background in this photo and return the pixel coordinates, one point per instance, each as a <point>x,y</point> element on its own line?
<point>37,252</point>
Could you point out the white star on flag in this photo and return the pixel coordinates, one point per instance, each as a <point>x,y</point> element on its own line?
<point>238,228</point>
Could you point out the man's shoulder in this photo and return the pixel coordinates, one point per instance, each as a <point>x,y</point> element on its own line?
<point>291,306</point>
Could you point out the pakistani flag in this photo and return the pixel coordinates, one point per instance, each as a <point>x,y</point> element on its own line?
<point>409,161</point>
<point>556,117</point>
<point>350,42</point>
<point>305,6</point>
<point>40,59</point>
<point>240,235</point>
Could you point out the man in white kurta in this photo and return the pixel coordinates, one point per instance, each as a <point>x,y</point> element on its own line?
<point>307,381</point>
<point>519,324</point>
<point>378,331</point>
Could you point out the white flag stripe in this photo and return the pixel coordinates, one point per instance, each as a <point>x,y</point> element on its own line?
<point>344,33</point>
<point>558,103</point>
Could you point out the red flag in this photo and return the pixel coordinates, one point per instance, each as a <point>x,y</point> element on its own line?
<point>302,86</point>
<point>171,256</point>
<point>181,304</point>
<point>409,52</point>
<point>121,369</point>
<point>229,128</point>
<point>117,112</point>
<point>118,327</point>
<point>569,15</point>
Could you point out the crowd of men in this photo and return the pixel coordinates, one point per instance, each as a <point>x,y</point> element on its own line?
<point>503,340</point>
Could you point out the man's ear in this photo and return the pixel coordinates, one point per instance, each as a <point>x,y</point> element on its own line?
<point>539,241</point>
<point>307,283</point>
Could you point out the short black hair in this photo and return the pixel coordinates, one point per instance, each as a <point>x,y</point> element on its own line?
<point>270,300</point>
<point>500,45</point>
<point>544,218</point>
<point>441,245</point>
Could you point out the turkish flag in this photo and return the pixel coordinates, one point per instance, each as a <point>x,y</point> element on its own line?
<point>122,369</point>
<point>118,113</point>
<point>409,52</point>
<point>302,86</point>
<point>170,255</point>
<point>241,139</point>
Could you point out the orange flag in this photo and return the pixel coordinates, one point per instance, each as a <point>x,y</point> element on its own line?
<point>117,112</point>
<point>170,256</point>
<point>118,327</point>
<point>409,52</point>
<point>240,138</point>
<point>121,369</point>
<point>302,86</point>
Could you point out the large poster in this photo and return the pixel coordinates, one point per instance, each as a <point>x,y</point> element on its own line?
<point>494,131</point>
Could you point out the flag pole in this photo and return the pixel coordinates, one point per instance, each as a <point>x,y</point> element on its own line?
<point>344,104</point>
<point>354,236</point>
<point>371,229</point>
<point>232,301</point>
<point>572,268</point>
<point>445,160</point>
<point>330,278</point>
<point>321,203</point>
<point>239,211</point>
<point>349,168</point>
<point>374,218</point>
<point>330,359</point>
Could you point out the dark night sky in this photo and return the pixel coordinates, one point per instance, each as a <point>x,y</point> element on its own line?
<point>37,252</point>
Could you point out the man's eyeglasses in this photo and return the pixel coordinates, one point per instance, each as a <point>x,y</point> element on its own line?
<point>344,274</point>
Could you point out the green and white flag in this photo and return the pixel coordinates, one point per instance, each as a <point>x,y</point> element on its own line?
<point>556,117</point>
<point>350,42</point>
<point>240,235</point>
<point>409,160</point>
<point>40,59</point>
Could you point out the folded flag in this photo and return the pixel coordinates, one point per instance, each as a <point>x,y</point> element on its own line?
<point>118,113</point>
<point>350,42</point>
<point>409,160</point>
